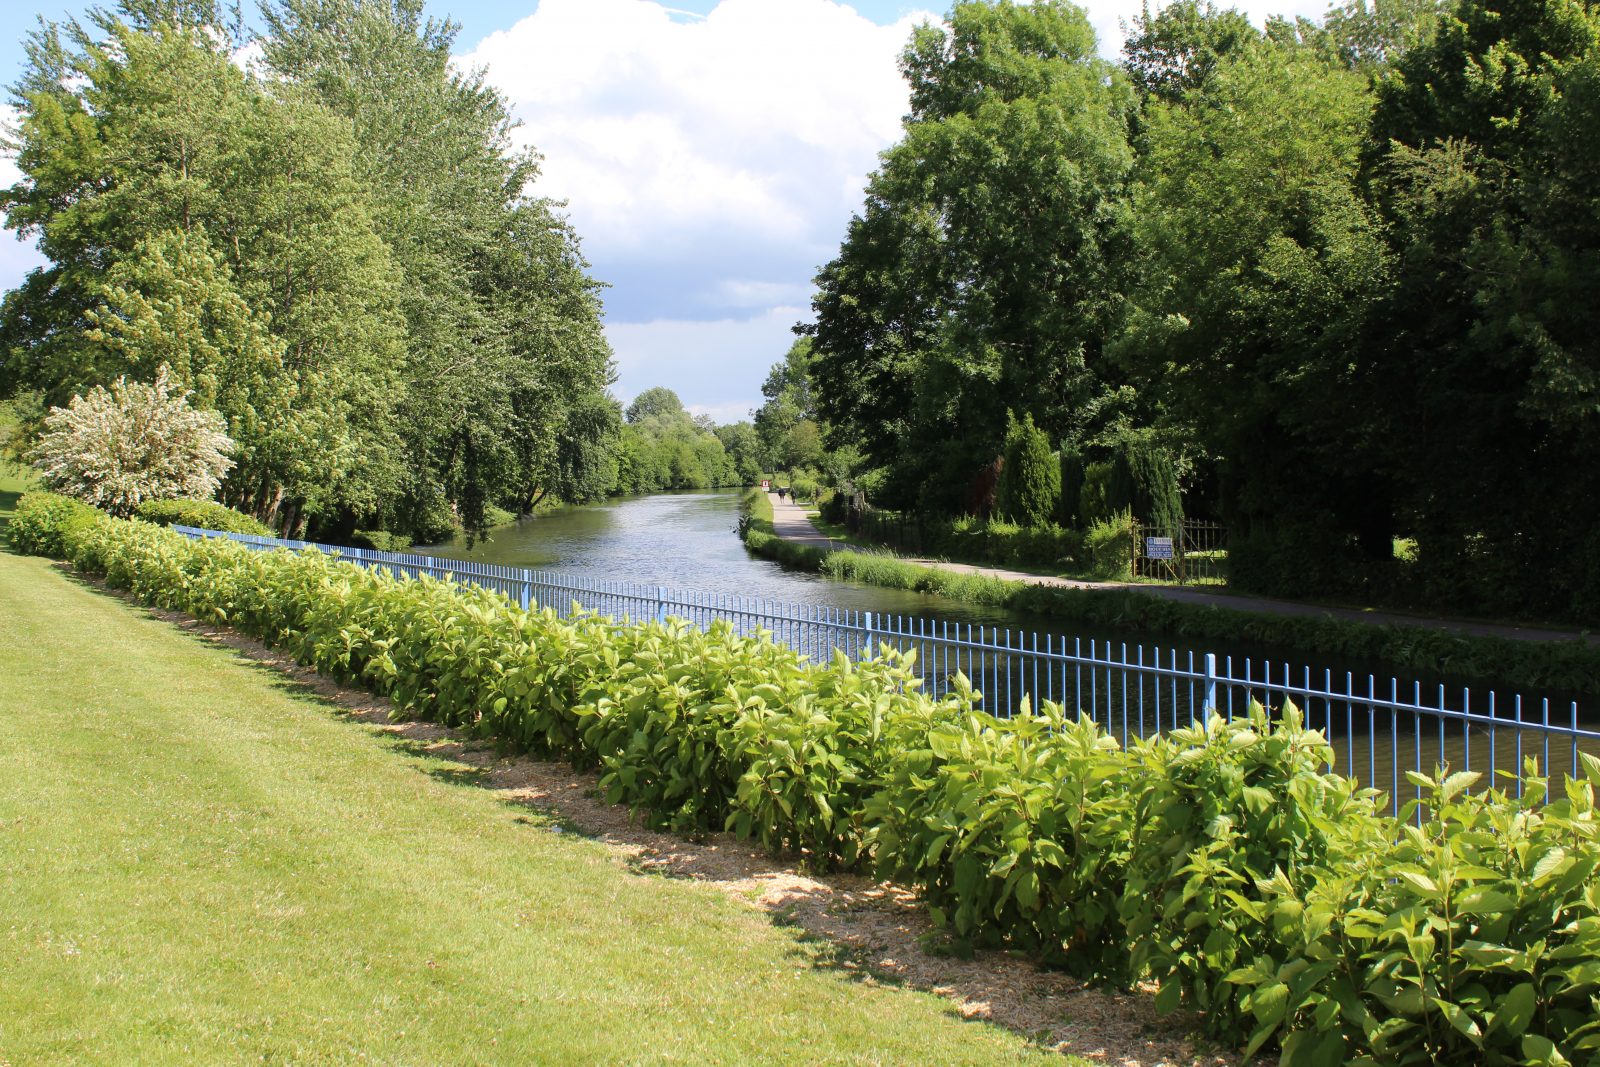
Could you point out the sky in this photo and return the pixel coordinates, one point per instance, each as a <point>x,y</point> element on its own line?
<point>710,154</point>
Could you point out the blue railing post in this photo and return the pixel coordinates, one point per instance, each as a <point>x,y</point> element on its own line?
<point>661,603</point>
<point>1211,685</point>
<point>527,590</point>
<point>866,622</point>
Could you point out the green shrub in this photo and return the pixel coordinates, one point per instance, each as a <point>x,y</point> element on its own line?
<point>1015,832</point>
<point>1030,480</point>
<point>1144,480</point>
<point>203,514</point>
<point>804,486</point>
<point>1108,546</point>
<point>1471,937</point>
<point>1219,810</point>
<point>380,540</point>
<point>1072,480</point>
<point>44,524</point>
<point>1094,499</point>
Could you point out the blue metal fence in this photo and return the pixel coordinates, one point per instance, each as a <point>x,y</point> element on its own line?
<point>1379,729</point>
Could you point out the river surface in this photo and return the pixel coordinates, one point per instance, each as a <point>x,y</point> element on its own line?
<point>687,541</point>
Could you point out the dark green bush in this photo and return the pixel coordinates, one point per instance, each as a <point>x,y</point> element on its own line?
<point>380,540</point>
<point>203,514</point>
<point>1094,497</point>
<point>1295,557</point>
<point>1070,514</point>
<point>1030,479</point>
<point>44,523</point>
<point>1144,480</point>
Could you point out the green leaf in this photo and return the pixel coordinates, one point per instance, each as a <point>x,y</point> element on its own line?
<point>1269,1002</point>
<point>1484,901</point>
<point>1548,865</point>
<point>1461,1020</point>
<point>1420,882</point>
<point>1514,1010</point>
<point>1169,996</point>
<point>1537,1049</point>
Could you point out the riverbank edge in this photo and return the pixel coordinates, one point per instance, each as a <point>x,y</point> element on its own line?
<point>1500,661</point>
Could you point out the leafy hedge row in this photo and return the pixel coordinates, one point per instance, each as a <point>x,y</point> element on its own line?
<point>202,514</point>
<point>42,523</point>
<point>1222,860</point>
<point>1571,665</point>
<point>1101,551</point>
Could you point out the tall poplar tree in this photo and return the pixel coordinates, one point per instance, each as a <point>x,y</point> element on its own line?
<point>505,361</point>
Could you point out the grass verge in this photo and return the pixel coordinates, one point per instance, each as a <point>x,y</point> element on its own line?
<point>202,863</point>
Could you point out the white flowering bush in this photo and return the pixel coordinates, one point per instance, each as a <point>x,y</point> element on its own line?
<point>116,449</point>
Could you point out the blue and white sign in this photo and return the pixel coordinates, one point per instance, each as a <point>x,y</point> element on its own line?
<point>1158,548</point>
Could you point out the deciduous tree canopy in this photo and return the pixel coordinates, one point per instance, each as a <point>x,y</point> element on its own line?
<point>335,250</point>
<point>1337,276</point>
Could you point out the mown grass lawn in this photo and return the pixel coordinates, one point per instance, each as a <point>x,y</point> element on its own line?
<point>200,863</point>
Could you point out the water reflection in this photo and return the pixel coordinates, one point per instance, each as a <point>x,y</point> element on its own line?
<point>686,541</point>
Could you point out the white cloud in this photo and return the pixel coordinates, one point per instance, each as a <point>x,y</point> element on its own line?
<point>722,414</point>
<point>710,165</point>
<point>760,120</point>
<point>717,367</point>
<point>740,293</point>
<point>1108,16</point>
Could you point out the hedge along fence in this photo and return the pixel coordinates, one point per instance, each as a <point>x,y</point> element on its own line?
<point>1569,665</point>
<point>1222,860</point>
<point>204,514</point>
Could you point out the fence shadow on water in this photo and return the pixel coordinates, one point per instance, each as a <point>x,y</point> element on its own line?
<point>1379,729</point>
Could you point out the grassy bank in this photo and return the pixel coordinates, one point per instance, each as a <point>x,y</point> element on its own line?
<point>204,864</point>
<point>1502,662</point>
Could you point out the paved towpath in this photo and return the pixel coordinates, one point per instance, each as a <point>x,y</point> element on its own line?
<point>793,523</point>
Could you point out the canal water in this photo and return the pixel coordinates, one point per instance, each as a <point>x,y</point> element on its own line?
<point>687,541</point>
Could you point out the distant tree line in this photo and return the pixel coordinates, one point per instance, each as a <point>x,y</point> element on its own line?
<point>1338,277</point>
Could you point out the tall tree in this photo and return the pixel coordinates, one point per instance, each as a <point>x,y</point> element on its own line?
<point>1174,51</point>
<point>1484,159</point>
<point>506,359</point>
<point>1260,266</point>
<point>980,274</point>
<point>128,135</point>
